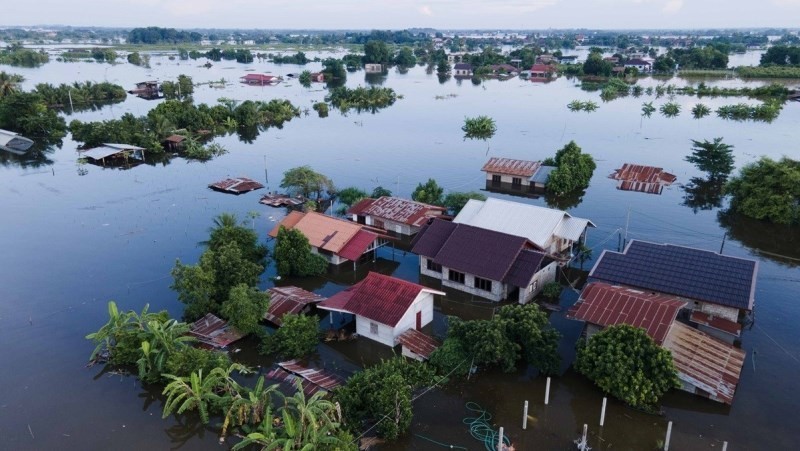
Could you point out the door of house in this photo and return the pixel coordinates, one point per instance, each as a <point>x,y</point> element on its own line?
<point>419,320</point>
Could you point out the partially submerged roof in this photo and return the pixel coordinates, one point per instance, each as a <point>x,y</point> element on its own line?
<point>537,224</point>
<point>608,305</point>
<point>462,66</point>
<point>176,139</point>
<point>107,150</point>
<point>328,233</point>
<point>213,331</point>
<point>510,166</point>
<point>705,362</point>
<point>288,300</point>
<point>419,343</point>
<point>236,185</point>
<point>14,141</point>
<point>378,297</point>
<point>481,252</point>
<point>682,271</point>
<point>396,209</point>
<point>542,175</point>
<point>646,179</point>
<point>314,380</point>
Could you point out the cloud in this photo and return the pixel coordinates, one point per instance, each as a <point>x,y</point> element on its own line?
<point>672,6</point>
<point>425,10</point>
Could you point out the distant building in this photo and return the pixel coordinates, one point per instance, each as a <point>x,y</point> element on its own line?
<point>371,68</point>
<point>543,71</point>
<point>645,179</point>
<point>640,64</point>
<point>394,214</point>
<point>260,79</point>
<point>462,70</point>
<point>516,175</point>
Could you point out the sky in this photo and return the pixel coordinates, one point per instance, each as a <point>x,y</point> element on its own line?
<point>400,14</point>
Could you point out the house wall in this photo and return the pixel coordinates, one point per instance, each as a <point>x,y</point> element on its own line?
<point>391,226</point>
<point>544,276</point>
<point>385,333</point>
<point>718,334</point>
<point>498,293</point>
<point>331,258</point>
<point>388,335</point>
<point>729,313</point>
<point>509,179</point>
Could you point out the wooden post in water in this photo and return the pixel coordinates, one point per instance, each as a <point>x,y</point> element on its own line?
<point>525,416</point>
<point>547,392</point>
<point>669,433</point>
<point>724,446</point>
<point>603,412</point>
<point>500,440</point>
<point>583,445</point>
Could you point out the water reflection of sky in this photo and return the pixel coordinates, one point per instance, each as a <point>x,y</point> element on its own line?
<point>72,242</point>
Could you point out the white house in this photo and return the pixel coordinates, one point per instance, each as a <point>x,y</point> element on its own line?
<point>384,307</point>
<point>462,70</point>
<point>640,64</point>
<point>553,232</point>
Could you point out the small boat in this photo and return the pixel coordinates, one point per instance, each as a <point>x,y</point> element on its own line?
<point>14,142</point>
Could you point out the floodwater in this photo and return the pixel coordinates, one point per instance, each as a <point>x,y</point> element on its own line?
<point>75,236</point>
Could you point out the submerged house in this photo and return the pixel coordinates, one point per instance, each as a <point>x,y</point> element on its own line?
<point>394,214</point>
<point>384,307</point>
<point>719,290</point>
<point>214,332</point>
<point>260,79</point>
<point>639,64</point>
<point>482,262</point>
<point>14,142</point>
<point>238,185</point>
<point>553,232</point>
<point>337,240</point>
<point>644,179</point>
<point>112,154</point>
<point>289,301</point>
<point>462,70</point>
<point>541,71</point>
<point>523,176</point>
<point>148,90</point>
<point>706,366</point>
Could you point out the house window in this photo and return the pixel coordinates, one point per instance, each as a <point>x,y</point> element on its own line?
<point>535,285</point>
<point>516,182</point>
<point>435,267</point>
<point>483,284</point>
<point>455,276</point>
<point>373,328</point>
<point>496,180</point>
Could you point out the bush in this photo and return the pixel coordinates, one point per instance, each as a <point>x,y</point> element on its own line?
<point>552,291</point>
<point>481,127</point>
<point>293,255</point>
<point>189,360</point>
<point>297,337</point>
<point>768,190</point>
<point>451,356</point>
<point>573,170</point>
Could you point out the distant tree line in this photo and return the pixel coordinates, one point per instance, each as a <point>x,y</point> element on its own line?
<point>158,35</point>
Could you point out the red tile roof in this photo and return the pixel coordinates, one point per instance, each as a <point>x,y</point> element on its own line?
<point>213,331</point>
<point>259,78</point>
<point>608,305</point>
<point>324,232</point>
<point>288,300</point>
<point>381,298</point>
<point>705,362</point>
<point>716,322</point>
<point>543,68</point>
<point>418,343</point>
<point>510,166</point>
<point>396,209</point>
<point>237,185</point>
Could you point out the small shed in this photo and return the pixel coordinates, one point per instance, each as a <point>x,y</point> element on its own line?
<point>174,142</point>
<point>318,77</point>
<point>462,70</point>
<point>417,345</point>
<point>372,68</point>
<point>289,300</point>
<point>112,153</point>
<point>214,332</point>
<point>236,186</point>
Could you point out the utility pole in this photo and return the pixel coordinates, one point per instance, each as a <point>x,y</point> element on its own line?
<point>627,221</point>
<point>722,246</point>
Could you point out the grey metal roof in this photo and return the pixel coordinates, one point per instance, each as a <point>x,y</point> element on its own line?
<point>683,271</point>
<point>542,175</point>
<point>108,149</point>
<point>14,141</point>
<point>538,224</point>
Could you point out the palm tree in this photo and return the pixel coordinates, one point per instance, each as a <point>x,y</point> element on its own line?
<point>9,83</point>
<point>251,408</point>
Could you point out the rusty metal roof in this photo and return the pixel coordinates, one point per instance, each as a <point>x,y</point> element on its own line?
<point>645,179</point>
<point>396,209</point>
<point>315,379</point>
<point>175,139</point>
<point>288,300</point>
<point>237,185</point>
<point>214,331</point>
<point>510,166</point>
<point>608,305</point>
<point>716,322</point>
<point>418,343</point>
<point>705,362</point>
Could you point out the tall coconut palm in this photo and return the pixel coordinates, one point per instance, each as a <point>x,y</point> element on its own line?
<point>9,83</point>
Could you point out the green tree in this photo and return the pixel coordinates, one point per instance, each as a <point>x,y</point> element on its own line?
<point>714,158</point>
<point>405,57</point>
<point>768,190</point>
<point>228,229</point>
<point>627,364</point>
<point>245,307</point>
<point>481,127</point>
<point>306,181</point>
<point>596,65</point>
<point>305,78</point>
<point>297,337</point>
<point>573,170</point>
<point>380,191</point>
<point>250,406</point>
<point>333,69</point>
<point>293,255</point>
<point>351,195</point>
<point>9,83</point>
<point>428,193</point>
<point>455,201</point>
<point>443,67</point>
<point>377,52</point>
<point>188,359</point>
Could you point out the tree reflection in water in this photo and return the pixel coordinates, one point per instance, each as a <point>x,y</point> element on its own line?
<point>776,242</point>
<point>704,193</point>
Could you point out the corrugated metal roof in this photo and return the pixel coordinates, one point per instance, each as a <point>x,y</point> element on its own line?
<point>358,245</point>
<point>537,224</point>
<point>510,166</point>
<point>418,343</point>
<point>378,297</point>
<point>106,150</point>
<point>214,331</point>
<point>683,271</point>
<point>396,209</point>
<point>542,175</point>
<point>645,179</point>
<point>288,300</point>
<point>705,362</point>
<point>608,305</point>
<point>315,380</point>
<point>323,232</point>
<point>236,185</point>
<point>716,322</point>
<point>14,141</point>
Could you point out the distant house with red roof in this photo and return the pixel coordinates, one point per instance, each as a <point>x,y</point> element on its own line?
<point>645,179</point>
<point>543,71</point>
<point>385,307</point>
<point>260,79</point>
<point>482,262</point>
<point>394,214</point>
<point>335,239</point>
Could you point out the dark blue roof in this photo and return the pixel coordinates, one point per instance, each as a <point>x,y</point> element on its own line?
<point>682,271</point>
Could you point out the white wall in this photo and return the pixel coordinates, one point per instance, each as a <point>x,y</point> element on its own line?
<point>729,313</point>
<point>544,276</point>
<point>498,293</point>
<point>504,178</point>
<point>388,335</point>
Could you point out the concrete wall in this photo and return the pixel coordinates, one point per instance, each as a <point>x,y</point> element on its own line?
<point>498,293</point>
<point>385,333</point>
<point>505,178</point>
<point>544,276</point>
<point>331,258</point>
<point>388,335</point>
<point>729,313</point>
<point>718,334</point>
